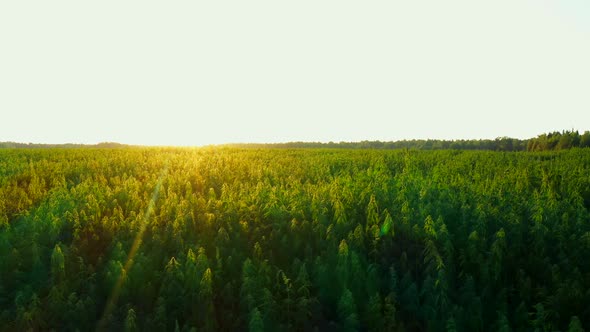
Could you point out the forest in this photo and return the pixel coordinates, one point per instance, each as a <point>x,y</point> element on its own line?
<point>249,239</point>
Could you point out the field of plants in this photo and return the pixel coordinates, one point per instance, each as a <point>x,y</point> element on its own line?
<point>244,239</point>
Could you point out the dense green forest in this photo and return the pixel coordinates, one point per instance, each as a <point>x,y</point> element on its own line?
<point>228,239</point>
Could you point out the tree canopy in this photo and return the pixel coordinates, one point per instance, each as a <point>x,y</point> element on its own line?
<point>226,239</point>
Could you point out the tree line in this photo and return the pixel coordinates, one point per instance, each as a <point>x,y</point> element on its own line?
<point>544,142</point>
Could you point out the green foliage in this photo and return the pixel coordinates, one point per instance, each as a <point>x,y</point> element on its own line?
<point>387,227</point>
<point>130,321</point>
<point>347,312</point>
<point>58,269</point>
<point>559,141</point>
<point>297,240</point>
<point>256,324</point>
<point>575,325</point>
<point>503,325</point>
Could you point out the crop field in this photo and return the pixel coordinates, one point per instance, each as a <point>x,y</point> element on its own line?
<point>245,239</point>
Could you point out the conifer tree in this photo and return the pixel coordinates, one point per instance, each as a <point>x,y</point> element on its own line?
<point>58,269</point>
<point>130,321</point>
<point>256,324</point>
<point>347,312</point>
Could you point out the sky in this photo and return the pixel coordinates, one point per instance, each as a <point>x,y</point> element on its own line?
<point>211,72</point>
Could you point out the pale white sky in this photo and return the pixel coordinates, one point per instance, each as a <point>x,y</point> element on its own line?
<point>202,72</point>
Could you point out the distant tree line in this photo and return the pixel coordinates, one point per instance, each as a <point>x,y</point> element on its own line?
<point>544,142</point>
<point>16,145</point>
<point>499,144</point>
<point>559,141</point>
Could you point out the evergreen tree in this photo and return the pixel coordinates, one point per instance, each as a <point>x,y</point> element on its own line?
<point>256,324</point>
<point>58,269</point>
<point>347,312</point>
<point>575,325</point>
<point>206,300</point>
<point>130,321</point>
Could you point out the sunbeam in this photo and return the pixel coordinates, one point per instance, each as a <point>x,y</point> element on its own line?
<point>114,296</point>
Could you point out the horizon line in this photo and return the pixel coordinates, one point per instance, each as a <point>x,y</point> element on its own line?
<point>122,144</point>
